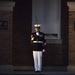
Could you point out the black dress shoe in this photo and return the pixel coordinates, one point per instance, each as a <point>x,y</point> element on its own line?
<point>37,71</point>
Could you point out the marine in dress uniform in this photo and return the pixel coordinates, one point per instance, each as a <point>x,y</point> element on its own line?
<point>38,42</point>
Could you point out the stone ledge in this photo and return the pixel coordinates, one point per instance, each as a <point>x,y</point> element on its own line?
<point>54,41</point>
<point>71,68</point>
<point>6,68</point>
<point>45,68</point>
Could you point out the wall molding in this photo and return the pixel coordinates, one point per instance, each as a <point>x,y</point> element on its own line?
<point>71,6</point>
<point>7,5</point>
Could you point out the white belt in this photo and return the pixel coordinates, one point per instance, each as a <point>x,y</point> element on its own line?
<point>37,41</point>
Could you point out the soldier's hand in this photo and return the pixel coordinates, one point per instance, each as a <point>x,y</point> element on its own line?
<point>32,37</point>
<point>44,43</point>
<point>43,50</point>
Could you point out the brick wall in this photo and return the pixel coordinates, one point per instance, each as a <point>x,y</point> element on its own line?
<point>6,39</point>
<point>71,38</point>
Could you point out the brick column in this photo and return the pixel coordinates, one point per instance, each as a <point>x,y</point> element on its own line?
<point>71,60</point>
<point>6,12</point>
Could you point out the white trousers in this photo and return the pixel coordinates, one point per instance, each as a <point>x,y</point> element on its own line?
<point>37,56</point>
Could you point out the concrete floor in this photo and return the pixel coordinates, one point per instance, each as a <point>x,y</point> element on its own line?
<point>33,73</point>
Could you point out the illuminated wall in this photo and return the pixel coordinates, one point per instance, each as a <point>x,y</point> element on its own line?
<point>48,14</point>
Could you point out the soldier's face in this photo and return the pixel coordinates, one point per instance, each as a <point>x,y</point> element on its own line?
<point>37,29</point>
